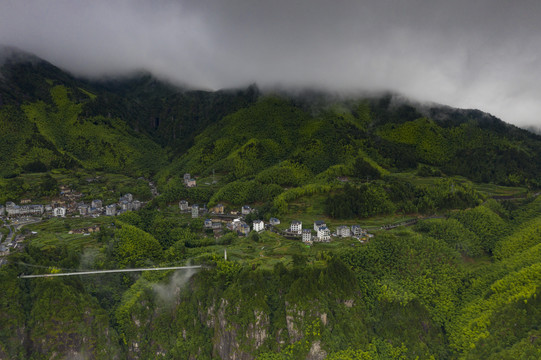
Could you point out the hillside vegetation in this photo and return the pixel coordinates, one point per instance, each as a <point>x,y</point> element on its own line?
<point>458,276</point>
<point>405,294</point>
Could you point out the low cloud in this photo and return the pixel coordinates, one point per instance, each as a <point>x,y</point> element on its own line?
<point>169,292</point>
<point>475,54</point>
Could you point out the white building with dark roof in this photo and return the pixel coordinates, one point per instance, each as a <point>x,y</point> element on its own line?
<point>323,234</point>
<point>246,210</point>
<point>258,225</point>
<point>306,235</point>
<point>343,231</point>
<point>84,209</point>
<point>356,230</point>
<point>59,211</point>
<point>318,224</point>
<point>296,227</point>
<point>110,210</point>
<point>195,211</point>
<point>183,205</point>
<point>125,205</point>
<point>136,205</point>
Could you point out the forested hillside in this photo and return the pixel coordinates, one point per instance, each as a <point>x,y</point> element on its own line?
<point>425,292</point>
<point>449,197</point>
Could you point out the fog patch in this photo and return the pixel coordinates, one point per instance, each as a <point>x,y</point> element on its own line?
<point>169,292</point>
<point>89,257</point>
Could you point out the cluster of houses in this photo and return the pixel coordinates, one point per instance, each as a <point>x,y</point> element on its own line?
<point>199,210</point>
<point>323,233</point>
<point>217,218</point>
<point>12,209</point>
<point>63,206</point>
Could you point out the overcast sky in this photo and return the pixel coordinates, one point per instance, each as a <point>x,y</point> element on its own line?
<point>483,54</point>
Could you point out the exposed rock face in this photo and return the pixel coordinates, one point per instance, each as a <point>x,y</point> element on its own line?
<point>233,342</point>
<point>134,350</point>
<point>323,318</point>
<point>294,321</point>
<point>258,331</point>
<point>316,352</point>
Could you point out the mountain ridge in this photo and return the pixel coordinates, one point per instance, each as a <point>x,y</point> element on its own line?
<point>174,118</point>
<point>446,266</point>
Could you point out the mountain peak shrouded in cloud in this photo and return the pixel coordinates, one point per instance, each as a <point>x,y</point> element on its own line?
<point>483,54</point>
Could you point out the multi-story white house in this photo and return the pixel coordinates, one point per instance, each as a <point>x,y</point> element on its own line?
<point>136,205</point>
<point>356,230</point>
<point>110,210</point>
<point>96,204</point>
<point>258,225</point>
<point>246,210</point>
<point>183,205</point>
<point>59,212</point>
<point>126,205</point>
<point>306,235</point>
<point>323,234</point>
<point>195,211</point>
<point>318,224</point>
<point>190,183</point>
<point>296,227</point>
<point>83,209</point>
<point>343,231</point>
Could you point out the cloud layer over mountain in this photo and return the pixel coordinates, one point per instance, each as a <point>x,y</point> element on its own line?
<point>477,54</point>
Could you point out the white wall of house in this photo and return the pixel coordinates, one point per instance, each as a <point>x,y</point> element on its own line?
<point>324,234</point>
<point>59,212</point>
<point>296,226</point>
<point>259,225</point>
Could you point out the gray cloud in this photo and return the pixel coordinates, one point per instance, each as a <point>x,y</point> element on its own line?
<point>476,54</point>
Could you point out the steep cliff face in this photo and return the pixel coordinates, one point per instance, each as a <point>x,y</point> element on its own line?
<point>259,313</point>
<point>236,341</point>
<point>67,324</point>
<point>305,324</point>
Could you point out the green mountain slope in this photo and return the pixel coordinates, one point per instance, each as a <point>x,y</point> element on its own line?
<point>405,294</point>
<point>460,281</point>
<point>276,129</point>
<point>48,127</point>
